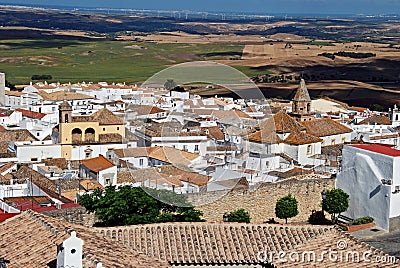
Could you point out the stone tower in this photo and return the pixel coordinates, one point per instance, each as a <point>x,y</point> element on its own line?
<point>64,113</point>
<point>301,103</point>
<point>64,117</point>
<point>2,89</point>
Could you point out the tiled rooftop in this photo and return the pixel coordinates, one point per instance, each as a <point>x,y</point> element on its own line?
<point>298,138</point>
<point>63,95</point>
<point>325,127</point>
<point>281,122</point>
<point>31,114</point>
<point>103,116</point>
<point>232,243</point>
<point>30,240</point>
<point>48,186</point>
<point>97,164</point>
<point>376,119</point>
<point>163,172</point>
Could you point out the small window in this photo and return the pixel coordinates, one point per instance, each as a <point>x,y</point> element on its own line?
<point>117,128</point>
<point>185,147</point>
<point>73,251</point>
<point>108,182</point>
<point>34,159</point>
<point>141,162</point>
<point>309,149</point>
<point>104,129</point>
<point>196,147</point>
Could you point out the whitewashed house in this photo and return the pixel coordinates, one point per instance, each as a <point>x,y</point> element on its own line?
<point>33,151</point>
<point>371,176</point>
<point>10,118</point>
<point>99,168</point>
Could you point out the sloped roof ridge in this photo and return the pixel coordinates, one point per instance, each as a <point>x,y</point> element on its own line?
<point>36,216</point>
<point>275,226</point>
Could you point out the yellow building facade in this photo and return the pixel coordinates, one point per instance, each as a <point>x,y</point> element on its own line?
<point>102,127</point>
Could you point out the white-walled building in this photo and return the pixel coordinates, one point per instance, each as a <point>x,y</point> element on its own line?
<point>33,151</point>
<point>371,176</point>
<point>10,118</point>
<point>100,169</point>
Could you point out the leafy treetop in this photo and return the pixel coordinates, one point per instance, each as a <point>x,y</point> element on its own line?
<point>286,207</point>
<point>336,202</point>
<point>239,215</point>
<point>129,205</point>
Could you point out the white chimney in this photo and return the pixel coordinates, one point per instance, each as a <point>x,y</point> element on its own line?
<point>69,252</point>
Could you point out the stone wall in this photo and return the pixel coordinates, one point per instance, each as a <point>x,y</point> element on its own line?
<point>77,215</point>
<point>394,224</point>
<point>260,203</point>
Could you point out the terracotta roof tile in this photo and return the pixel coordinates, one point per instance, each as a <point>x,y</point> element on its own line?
<point>48,186</point>
<point>172,155</point>
<point>325,127</point>
<point>14,93</point>
<point>146,109</point>
<point>298,138</point>
<point>281,122</point>
<point>97,164</point>
<point>213,133</point>
<point>31,114</point>
<point>30,240</point>
<point>63,95</point>
<point>16,135</point>
<point>376,119</point>
<point>90,185</point>
<point>58,162</point>
<point>7,166</point>
<point>229,113</point>
<point>232,244</point>
<point>164,172</point>
<point>103,116</point>
<point>264,136</point>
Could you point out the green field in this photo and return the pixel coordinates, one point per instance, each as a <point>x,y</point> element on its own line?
<point>111,61</point>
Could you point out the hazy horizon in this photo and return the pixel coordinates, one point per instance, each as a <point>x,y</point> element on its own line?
<point>345,7</point>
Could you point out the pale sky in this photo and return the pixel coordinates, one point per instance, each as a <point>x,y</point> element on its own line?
<point>262,6</point>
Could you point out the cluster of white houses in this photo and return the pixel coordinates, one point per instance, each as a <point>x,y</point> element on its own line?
<point>173,140</point>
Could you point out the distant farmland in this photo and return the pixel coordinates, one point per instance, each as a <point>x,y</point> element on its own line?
<point>112,61</point>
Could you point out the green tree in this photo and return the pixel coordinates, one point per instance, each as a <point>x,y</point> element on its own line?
<point>9,85</point>
<point>335,202</point>
<point>132,205</point>
<point>239,215</point>
<point>377,107</point>
<point>286,207</point>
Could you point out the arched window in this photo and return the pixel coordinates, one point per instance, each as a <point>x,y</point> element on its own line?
<point>76,135</point>
<point>66,118</point>
<point>90,135</point>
